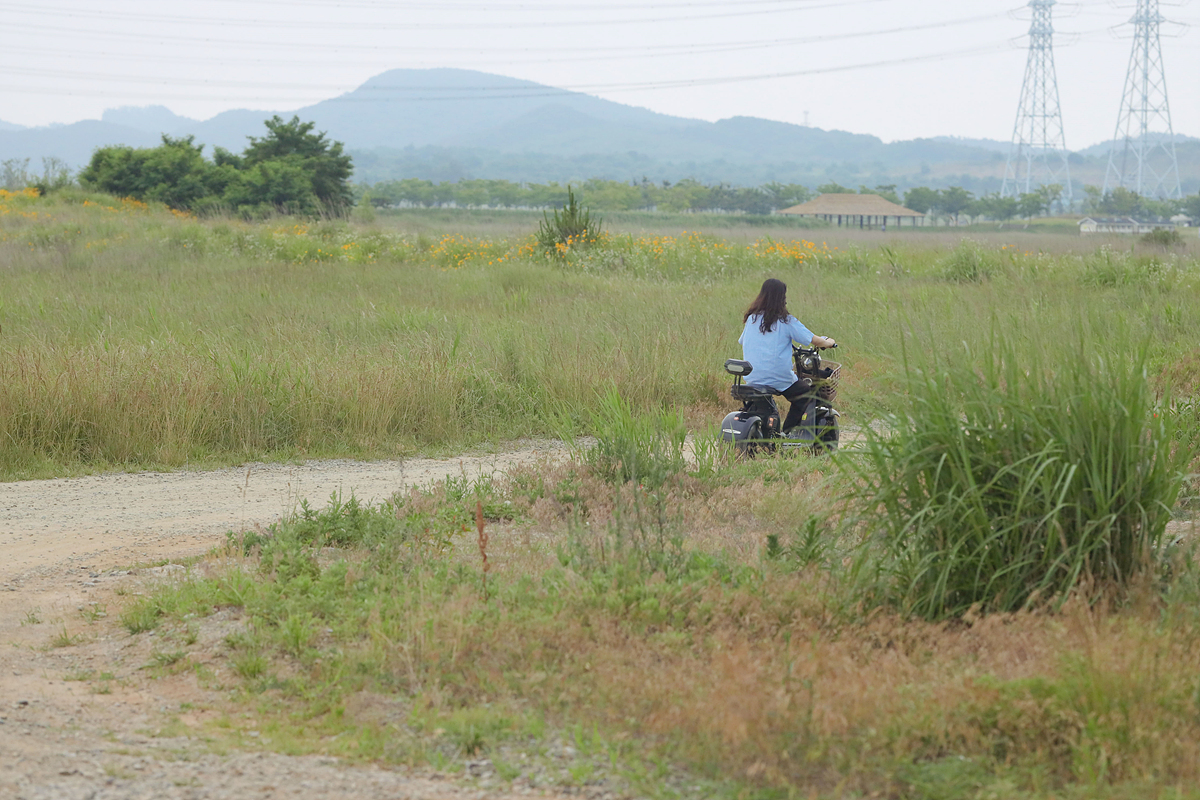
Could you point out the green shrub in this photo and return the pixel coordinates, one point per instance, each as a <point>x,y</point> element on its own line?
<point>645,449</point>
<point>1019,475</point>
<point>970,263</point>
<point>1108,269</point>
<point>1162,237</point>
<point>572,225</point>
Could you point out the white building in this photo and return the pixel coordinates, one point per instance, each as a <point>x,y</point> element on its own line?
<point>1128,225</point>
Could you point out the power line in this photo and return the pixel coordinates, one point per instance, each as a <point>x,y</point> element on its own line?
<point>578,54</point>
<point>507,92</point>
<point>377,25</point>
<point>450,5</point>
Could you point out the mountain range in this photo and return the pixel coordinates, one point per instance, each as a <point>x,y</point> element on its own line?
<point>450,124</point>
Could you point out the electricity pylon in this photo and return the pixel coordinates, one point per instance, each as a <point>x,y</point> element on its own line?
<point>1039,148</point>
<point>1142,157</point>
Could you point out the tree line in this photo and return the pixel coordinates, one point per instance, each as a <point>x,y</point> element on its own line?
<point>688,195</point>
<point>603,195</point>
<point>955,202</point>
<point>294,170</point>
<point>290,170</point>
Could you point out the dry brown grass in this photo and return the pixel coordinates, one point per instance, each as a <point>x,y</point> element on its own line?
<point>765,674</point>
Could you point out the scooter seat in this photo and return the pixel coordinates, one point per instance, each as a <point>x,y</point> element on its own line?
<point>744,392</point>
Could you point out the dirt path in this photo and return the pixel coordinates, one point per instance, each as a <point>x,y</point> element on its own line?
<point>83,713</point>
<point>122,519</point>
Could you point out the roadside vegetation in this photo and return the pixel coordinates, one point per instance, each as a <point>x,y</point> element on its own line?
<point>640,623</point>
<point>990,592</point>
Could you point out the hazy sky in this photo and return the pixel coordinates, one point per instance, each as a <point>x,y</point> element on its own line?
<point>896,68</point>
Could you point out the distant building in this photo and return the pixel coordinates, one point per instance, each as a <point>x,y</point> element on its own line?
<point>1182,221</point>
<point>1130,225</point>
<point>863,210</point>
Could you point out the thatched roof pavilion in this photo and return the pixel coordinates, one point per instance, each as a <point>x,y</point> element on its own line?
<point>870,210</point>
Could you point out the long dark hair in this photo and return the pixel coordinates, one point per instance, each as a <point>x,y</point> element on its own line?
<point>771,303</point>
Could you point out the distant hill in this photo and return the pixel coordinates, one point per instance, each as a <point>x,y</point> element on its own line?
<point>1103,148</point>
<point>72,143</point>
<point>152,119</point>
<point>983,144</point>
<point>8,126</point>
<point>448,124</point>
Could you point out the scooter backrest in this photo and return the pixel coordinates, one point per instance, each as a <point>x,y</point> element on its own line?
<point>740,368</point>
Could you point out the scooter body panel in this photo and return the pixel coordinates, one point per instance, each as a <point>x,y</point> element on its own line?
<point>740,426</point>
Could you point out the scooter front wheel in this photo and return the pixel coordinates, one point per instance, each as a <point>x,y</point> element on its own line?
<point>827,436</point>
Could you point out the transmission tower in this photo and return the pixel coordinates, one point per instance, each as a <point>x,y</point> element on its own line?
<point>1039,148</point>
<point>1143,150</point>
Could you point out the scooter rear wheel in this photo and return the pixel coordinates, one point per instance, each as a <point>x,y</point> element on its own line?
<point>748,447</point>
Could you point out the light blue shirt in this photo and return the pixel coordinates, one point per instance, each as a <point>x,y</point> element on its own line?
<point>771,353</point>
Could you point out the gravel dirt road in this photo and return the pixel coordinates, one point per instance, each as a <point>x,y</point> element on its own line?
<point>81,715</point>
<point>122,519</point>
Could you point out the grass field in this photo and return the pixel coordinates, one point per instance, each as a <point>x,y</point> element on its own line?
<point>984,601</point>
<point>132,337</point>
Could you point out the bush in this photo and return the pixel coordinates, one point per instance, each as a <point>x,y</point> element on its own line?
<point>1108,269</point>
<point>969,263</point>
<point>644,449</point>
<point>573,225</point>
<point>1019,477</point>
<point>1162,237</point>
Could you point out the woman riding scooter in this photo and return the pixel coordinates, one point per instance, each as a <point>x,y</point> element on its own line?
<point>767,344</point>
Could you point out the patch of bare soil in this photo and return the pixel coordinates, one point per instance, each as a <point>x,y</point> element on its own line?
<point>88,712</point>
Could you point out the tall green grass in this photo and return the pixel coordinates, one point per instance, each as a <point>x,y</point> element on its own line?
<point>1026,471</point>
<point>132,337</point>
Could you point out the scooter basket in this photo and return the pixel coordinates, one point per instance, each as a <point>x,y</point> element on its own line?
<point>827,387</point>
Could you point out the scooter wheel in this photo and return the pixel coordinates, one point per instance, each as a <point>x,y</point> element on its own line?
<point>827,437</point>
<point>748,447</point>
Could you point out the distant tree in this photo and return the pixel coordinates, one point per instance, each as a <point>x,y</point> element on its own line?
<point>1032,204</point>
<point>1005,208</point>
<point>1121,201</point>
<point>1052,193</point>
<point>996,207</point>
<point>174,173</point>
<point>1160,208</point>
<point>472,193</point>
<point>547,195</point>
<point>886,191</point>
<point>412,191</point>
<point>954,201</point>
<point>14,174</point>
<point>685,195</point>
<point>922,199</point>
<point>274,185</point>
<point>504,194</point>
<point>290,169</point>
<point>786,195</point>
<point>1191,207</point>
<point>721,197</point>
<point>834,188</point>
<point>327,168</point>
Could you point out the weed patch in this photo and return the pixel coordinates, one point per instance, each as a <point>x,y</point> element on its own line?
<point>1020,480</point>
